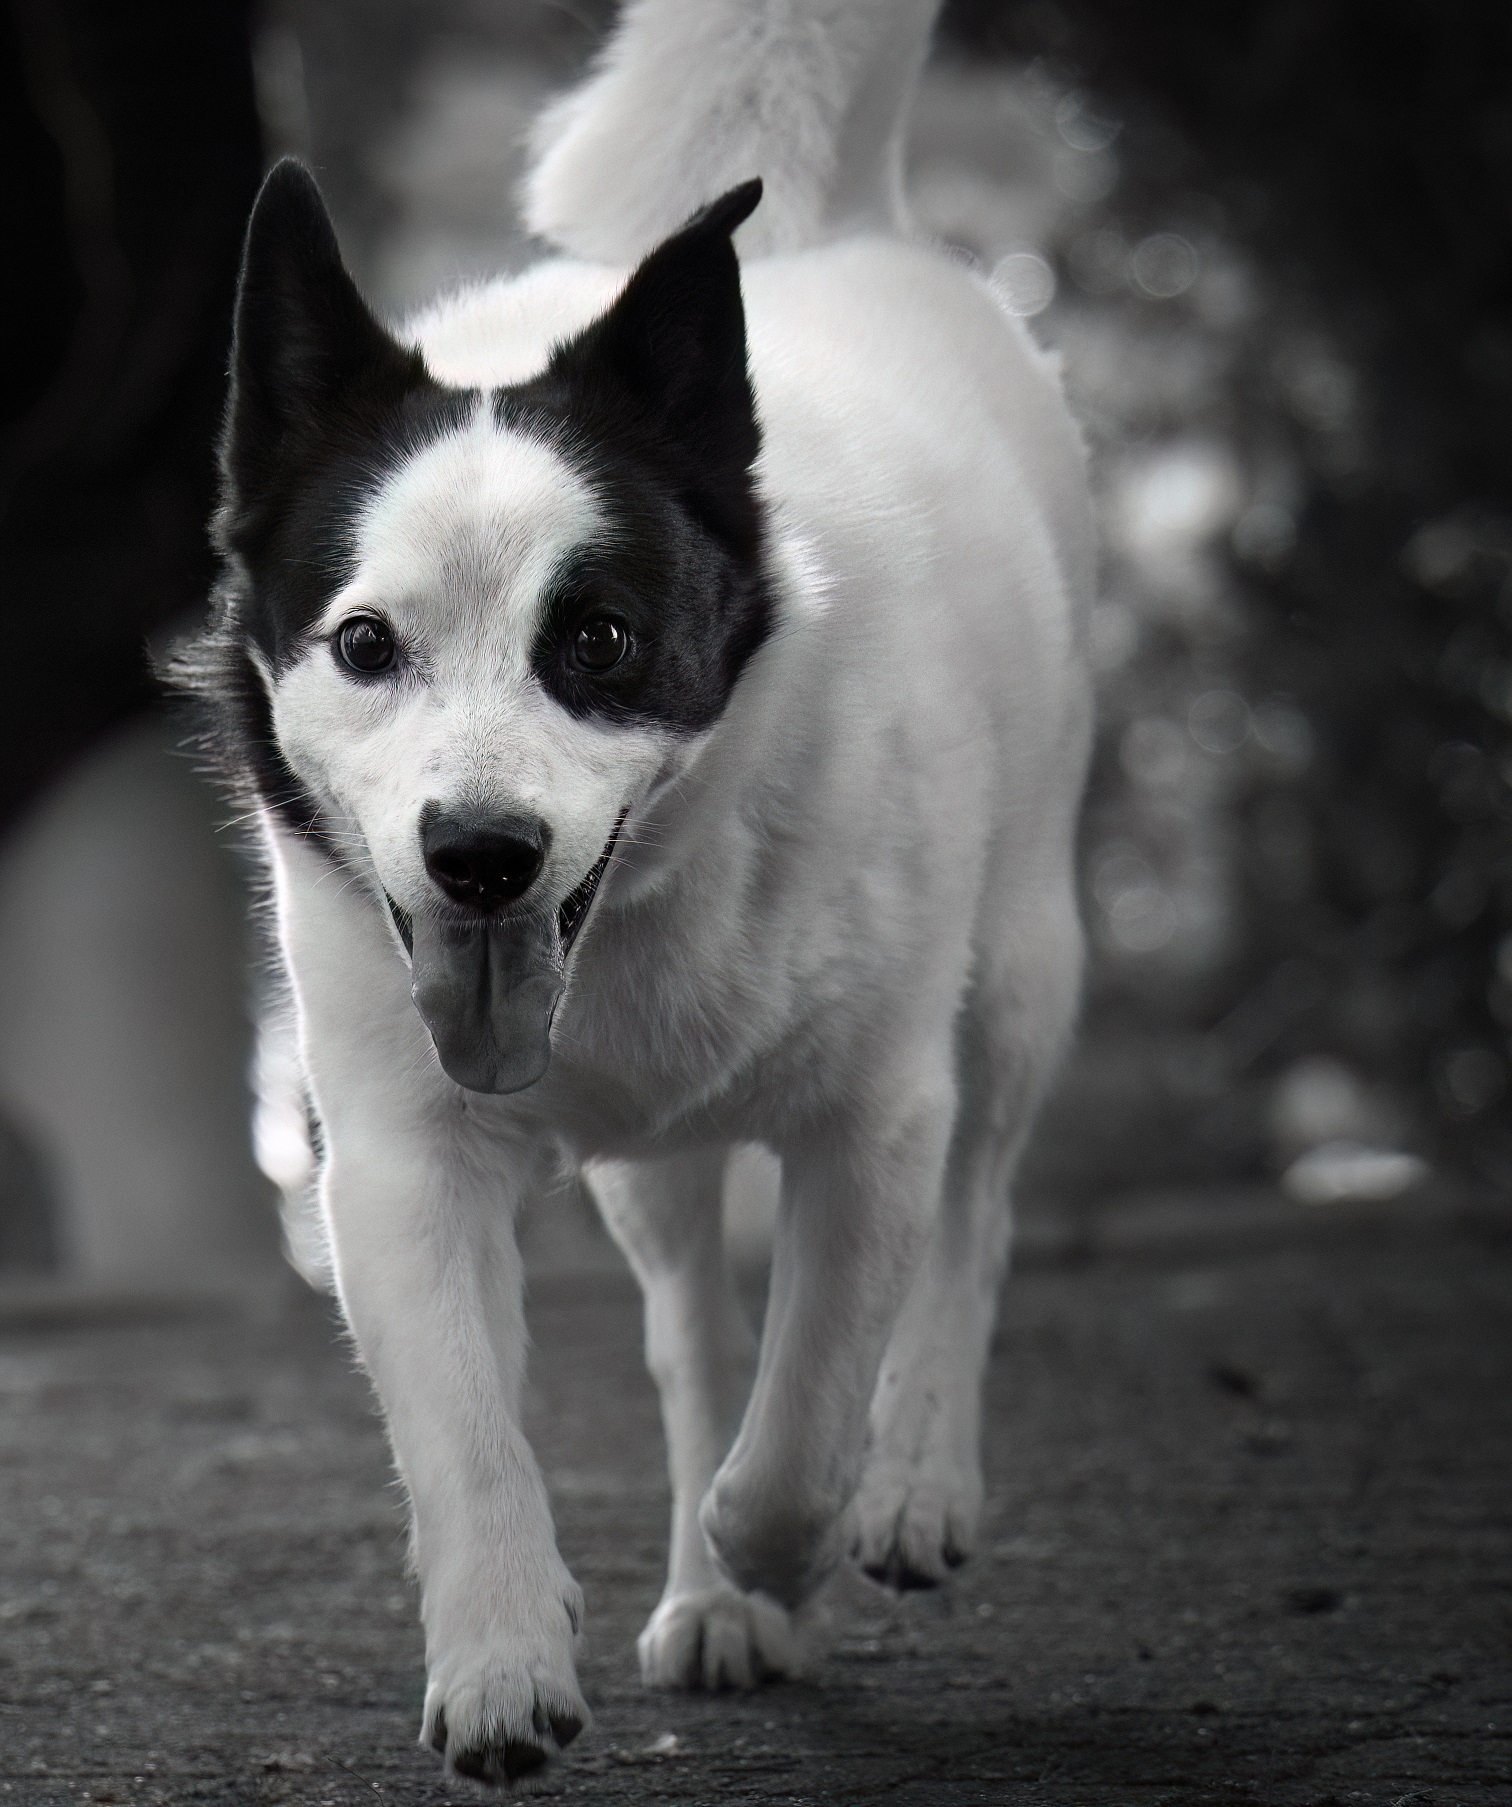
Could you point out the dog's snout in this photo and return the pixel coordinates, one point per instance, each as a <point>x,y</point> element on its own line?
<point>483,862</point>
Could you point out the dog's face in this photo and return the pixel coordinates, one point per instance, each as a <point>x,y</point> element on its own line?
<point>463,633</point>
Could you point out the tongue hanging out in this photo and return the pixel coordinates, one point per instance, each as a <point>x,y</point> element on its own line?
<point>488,989</point>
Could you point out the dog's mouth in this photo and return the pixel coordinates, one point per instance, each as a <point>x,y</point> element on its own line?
<point>574,911</point>
<point>403,921</point>
<point>487,987</point>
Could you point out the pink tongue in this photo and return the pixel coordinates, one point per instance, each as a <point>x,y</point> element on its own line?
<point>487,993</point>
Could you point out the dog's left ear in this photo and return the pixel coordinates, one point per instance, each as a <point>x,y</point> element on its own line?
<point>674,348</point>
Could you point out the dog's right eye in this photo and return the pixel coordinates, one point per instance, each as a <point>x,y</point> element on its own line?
<point>366,645</point>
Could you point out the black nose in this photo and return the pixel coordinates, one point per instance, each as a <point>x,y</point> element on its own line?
<point>483,861</point>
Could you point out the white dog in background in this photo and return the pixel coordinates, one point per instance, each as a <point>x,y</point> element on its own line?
<point>660,681</point>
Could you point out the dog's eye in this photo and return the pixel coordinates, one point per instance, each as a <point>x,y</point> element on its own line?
<point>366,644</point>
<point>599,644</point>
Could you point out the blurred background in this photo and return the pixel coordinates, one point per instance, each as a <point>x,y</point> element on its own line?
<point>1273,244</point>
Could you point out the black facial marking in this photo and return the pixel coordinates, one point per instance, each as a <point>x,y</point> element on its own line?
<point>653,404</point>
<point>691,618</point>
<point>292,550</point>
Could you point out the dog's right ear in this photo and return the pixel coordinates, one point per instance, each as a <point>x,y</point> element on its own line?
<point>306,348</point>
<point>669,356</point>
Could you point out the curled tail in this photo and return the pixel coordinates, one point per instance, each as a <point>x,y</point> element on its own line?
<point>691,97</point>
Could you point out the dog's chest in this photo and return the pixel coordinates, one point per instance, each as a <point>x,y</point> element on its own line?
<point>702,1014</point>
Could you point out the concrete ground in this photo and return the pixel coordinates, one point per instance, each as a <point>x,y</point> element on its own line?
<point>1249,1539</point>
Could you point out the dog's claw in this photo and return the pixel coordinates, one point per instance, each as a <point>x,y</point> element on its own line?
<point>496,1763</point>
<point>500,1760</point>
<point>912,1533</point>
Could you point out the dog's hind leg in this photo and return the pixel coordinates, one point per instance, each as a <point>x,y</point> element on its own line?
<point>666,1217</point>
<point>920,1501</point>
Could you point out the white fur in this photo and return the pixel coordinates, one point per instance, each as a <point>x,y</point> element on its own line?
<point>841,923</point>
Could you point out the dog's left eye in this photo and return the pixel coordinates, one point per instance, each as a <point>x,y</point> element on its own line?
<point>599,644</point>
<point>366,645</point>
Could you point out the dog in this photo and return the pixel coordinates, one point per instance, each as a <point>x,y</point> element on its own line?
<point>659,680</point>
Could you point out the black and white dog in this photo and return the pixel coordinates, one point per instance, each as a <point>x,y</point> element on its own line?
<point>660,684</point>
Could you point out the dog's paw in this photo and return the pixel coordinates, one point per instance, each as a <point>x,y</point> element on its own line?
<point>715,1639</point>
<point>911,1529</point>
<point>499,1706</point>
<point>502,1721</point>
<point>771,1541</point>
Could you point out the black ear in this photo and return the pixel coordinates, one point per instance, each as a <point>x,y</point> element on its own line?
<point>674,347</point>
<point>306,346</point>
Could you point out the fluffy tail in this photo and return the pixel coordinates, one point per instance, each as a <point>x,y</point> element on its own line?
<point>690,97</point>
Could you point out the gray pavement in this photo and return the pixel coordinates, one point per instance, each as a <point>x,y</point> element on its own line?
<point>1249,1539</point>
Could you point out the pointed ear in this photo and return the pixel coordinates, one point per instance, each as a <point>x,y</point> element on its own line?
<point>674,347</point>
<point>305,343</point>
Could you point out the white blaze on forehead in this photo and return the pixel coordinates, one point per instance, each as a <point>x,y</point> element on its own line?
<point>468,530</point>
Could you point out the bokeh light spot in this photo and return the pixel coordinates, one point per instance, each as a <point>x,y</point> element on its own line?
<point>1219,721</point>
<point>1470,1080</point>
<point>1164,265</point>
<point>1082,126</point>
<point>1023,283</point>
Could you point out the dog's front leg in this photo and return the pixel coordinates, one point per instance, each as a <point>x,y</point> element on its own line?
<point>857,1203</point>
<point>419,1205</point>
<point>430,1281</point>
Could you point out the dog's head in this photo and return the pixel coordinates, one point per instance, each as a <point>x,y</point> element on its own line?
<point>463,632</point>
